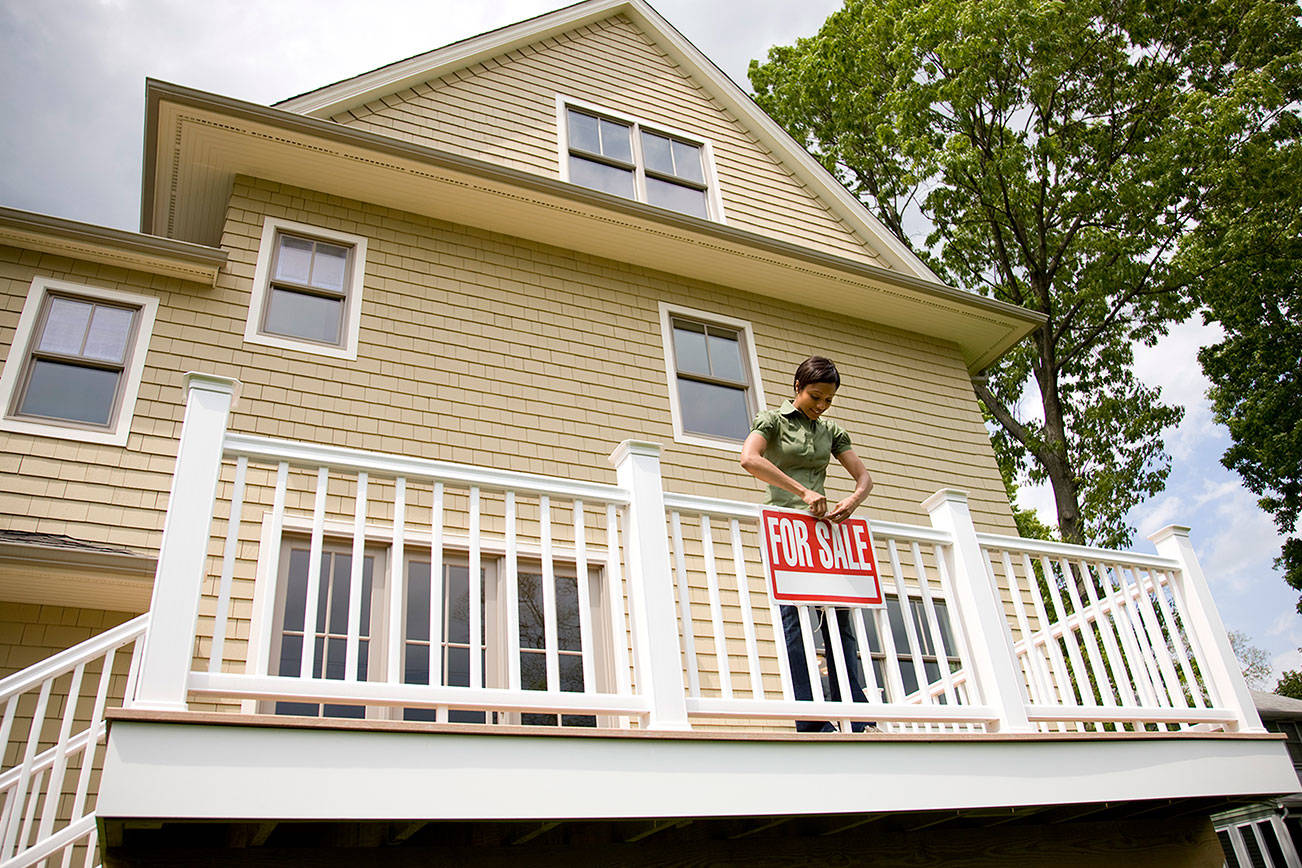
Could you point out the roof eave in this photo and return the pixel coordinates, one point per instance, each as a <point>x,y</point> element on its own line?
<point>530,206</point>
<point>148,253</point>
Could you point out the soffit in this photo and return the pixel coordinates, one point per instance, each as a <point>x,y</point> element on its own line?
<point>196,143</point>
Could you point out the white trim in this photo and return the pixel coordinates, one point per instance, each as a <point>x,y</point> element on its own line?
<point>713,197</point>
<point>756,396</point>
<point>162,770</point>
<point>132,373</point>
<point>262,275</point>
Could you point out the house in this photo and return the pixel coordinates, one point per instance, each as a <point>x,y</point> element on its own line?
<point>1268,833</point>
<point>380,499</point>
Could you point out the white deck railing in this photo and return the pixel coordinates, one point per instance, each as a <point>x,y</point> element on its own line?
<point>296,578</point>
<point>52,735</point>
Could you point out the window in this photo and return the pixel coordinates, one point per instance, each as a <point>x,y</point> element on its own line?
<point>625,158</point>
<point>328,636</point>
<point>713,390</point>
<point>453,661</point>
<point>329,596</point>
<point>75,365</point>
<point>307,289</point>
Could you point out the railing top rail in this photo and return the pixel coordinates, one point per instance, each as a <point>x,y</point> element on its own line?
<point>1068,550</point>
<point>750,511</point>
<point>314,455</point>
<point>64,661</point>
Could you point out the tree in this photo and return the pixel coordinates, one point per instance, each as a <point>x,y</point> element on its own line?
<point>1249,251</point>
<point>1254,662</point>
<point>1290,684</point>
<point>1051,147</point>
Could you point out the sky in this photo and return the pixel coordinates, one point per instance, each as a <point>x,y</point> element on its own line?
<point>72,79</point>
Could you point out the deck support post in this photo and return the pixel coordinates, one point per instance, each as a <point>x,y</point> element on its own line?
<point>1206,630</point>
<point>178,581</point>
<point>981,610</point>
<point>657,660</point>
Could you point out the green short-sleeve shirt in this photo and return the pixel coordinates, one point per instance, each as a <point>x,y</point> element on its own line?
<point>800,447</point>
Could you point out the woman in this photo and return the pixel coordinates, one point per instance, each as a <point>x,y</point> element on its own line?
<point>789,449</point>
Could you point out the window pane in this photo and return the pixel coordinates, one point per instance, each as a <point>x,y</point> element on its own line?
<point>690,351</point>
<point>62,391</point>
<point>719,411</point>
<point>342,578</point>
<point>294,259</point>
<point>533,670</point>
<point>336,651</point>
<point>666,194</point>
<point>328,266</point>
<point>531,611</point>
<point>725,356</point>
<point>571,666</point>
<point>302,315</point>
<point>110,328</point>
<point>296,590</point>
<point>656,154</point>
<point>417,601</point>
<point>616,141</point>
<point>687,162</point>
<point>65,327</point>
<point>456,606</point>
<point>567,616</point>
<point>416,668</point>
<point>583,133</point>
<point>291,655</point>
<point>599,176</point>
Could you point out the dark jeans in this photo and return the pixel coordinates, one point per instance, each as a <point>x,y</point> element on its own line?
<point>800,672</point>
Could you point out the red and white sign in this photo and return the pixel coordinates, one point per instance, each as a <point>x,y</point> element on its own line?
<point>812,560</point>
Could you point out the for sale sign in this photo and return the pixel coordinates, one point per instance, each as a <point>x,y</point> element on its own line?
<point>812,560</point>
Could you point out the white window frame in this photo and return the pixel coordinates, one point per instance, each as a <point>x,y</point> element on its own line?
<point>713,201</point>
<point>352,316</point>
<point>755,394</point>
<point>19,351</point>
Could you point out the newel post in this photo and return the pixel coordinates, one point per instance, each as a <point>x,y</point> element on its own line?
<point>178,582</point>
<point>1203,623</point>
<point>656,657</point>
<point>981,609</point>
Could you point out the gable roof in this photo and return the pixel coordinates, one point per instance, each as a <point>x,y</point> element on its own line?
<point>347,94</point>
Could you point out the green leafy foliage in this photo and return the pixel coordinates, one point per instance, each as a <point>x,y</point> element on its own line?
<point>1290,684</point>
<point>1051,152</point>
<point>1249,252</point>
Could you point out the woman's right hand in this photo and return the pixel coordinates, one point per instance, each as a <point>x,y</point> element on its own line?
<point>816,502</point>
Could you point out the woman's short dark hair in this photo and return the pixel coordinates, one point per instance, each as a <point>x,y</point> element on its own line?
<point>817,369</point>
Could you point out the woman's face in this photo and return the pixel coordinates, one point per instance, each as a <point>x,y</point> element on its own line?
<point>813,399</point>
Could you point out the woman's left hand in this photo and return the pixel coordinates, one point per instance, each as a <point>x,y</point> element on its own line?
<point>842,510</point>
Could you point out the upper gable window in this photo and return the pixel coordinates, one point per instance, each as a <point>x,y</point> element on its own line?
<point>307,289</point>
<point>75,365</point>
<point>627,158</point>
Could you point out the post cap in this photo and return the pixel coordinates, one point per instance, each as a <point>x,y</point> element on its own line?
<point>1171,530</point>
<point>635,448</point>
<point>213,383</point>
<point>945,495</point>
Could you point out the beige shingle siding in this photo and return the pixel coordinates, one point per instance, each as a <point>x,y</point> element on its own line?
<point>510,354</point>
<point>480,349</point>
<point>504,111</point>
<point>100,493</point>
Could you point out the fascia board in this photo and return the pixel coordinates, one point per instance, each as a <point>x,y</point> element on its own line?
<point>149,253</point>
<point>361,89</point>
